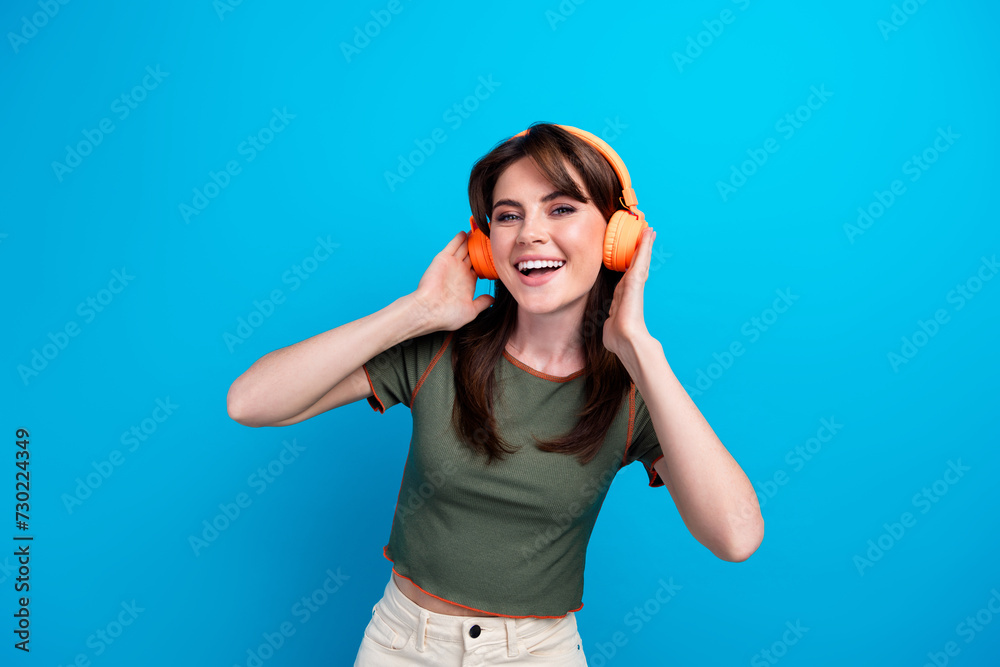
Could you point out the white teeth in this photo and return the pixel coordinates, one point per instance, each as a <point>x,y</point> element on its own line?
<point>538,264</point>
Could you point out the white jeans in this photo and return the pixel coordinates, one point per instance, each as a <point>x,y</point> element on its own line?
<point>401,632</point>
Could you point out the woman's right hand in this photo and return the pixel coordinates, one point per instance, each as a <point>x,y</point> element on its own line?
<point>446,289</point>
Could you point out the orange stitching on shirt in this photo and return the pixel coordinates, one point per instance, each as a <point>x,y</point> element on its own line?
<point>544,376</point>
<point>631,419</point>
<point>380,408</point>
<point>433,362</point>
<point>655,475</point>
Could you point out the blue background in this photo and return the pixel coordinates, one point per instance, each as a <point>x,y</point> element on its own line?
<point>682,127</point>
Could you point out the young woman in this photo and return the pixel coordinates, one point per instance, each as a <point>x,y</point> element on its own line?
<point>525,405</point>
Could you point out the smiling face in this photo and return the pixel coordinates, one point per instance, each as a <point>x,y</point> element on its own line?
<point>530,219</point>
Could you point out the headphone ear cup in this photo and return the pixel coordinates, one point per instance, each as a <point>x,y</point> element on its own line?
<point>480,253</point>
<point>621,239</point>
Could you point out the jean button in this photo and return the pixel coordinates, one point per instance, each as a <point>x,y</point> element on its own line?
<point>474,631</point>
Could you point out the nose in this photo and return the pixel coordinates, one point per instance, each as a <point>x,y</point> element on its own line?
<point>533,228</point>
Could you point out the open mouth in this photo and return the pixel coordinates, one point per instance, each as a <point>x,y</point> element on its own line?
<point>539,267</point>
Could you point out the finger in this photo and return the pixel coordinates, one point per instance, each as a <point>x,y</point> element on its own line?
<point>455,242</point>
<point>647,246</point>
<point>482,302</point>
<point>642,253</point>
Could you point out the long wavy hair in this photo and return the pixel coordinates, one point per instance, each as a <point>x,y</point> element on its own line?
<point>479,344</point>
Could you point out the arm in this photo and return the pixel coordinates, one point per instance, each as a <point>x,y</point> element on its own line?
<point>713,495</point>
<point>323,372</point>
<point>291,384</point>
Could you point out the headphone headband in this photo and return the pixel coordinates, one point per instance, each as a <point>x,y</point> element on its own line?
<point>602,147</point>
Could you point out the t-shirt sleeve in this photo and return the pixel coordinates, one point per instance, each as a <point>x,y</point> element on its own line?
<point>644,445</point>
<point>395,374</point>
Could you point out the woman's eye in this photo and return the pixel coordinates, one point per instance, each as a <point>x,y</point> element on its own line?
<point>506,217</point>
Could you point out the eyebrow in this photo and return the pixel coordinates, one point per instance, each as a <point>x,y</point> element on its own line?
<point>510,202</point>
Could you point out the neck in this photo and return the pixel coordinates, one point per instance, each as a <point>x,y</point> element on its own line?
<point>546,339</point>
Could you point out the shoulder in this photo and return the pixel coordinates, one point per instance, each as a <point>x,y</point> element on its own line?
<point>433,342</point>
<point>398,373</point>
<point>413,356</point>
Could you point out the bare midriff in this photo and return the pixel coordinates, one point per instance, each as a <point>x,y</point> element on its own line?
<point>431,603</point>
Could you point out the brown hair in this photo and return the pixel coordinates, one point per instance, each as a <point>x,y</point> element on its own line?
<point>479,344</point>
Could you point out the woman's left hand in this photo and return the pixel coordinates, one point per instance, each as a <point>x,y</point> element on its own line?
<point>625,323</point>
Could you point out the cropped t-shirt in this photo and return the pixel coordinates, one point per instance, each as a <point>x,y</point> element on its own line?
<point>510,538</point>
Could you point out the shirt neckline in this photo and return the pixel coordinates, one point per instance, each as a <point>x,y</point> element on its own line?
<point>545,376</point>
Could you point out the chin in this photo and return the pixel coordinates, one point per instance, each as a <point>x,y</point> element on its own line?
<point>552,297</point>
<point>535,310</point>
<point>543,304</point>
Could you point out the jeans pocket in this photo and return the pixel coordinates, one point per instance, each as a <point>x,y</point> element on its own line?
<point>382,633</point>
<point>561,640</point>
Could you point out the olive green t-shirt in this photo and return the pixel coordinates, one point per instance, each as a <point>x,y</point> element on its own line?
<point>509,538</point>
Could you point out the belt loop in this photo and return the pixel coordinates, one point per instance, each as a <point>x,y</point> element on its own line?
<point>512,649</point>
<point>421,637</point>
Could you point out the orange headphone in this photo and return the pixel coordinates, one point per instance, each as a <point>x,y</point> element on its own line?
<point>620,238</point>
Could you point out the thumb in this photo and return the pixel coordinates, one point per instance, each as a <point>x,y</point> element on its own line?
<point>482,302</point>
